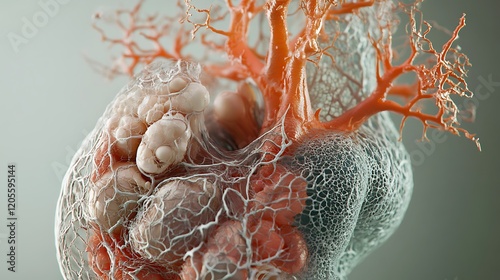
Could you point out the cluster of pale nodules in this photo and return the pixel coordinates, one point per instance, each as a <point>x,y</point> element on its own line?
<point>151,131</point>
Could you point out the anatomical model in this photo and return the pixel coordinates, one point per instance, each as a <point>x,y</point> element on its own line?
<point>268,155</point>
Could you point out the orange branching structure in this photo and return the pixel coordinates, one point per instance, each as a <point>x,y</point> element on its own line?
<point>440,81</point>
<point>237,211</point>
<point>279,70</point>
<point>152,28</point>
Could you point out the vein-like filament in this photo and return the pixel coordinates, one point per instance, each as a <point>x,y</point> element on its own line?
<point>179,186</point>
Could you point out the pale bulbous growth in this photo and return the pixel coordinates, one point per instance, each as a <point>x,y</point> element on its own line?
<point>113,198</point>
<point>152,108</point>
<point>175,219</point>
<point>177,84</point>
<point>194,98</point>
<point>128,135</point>
<point>228,106</point>
<point>164,144</point>
<point>225,254</point>
<point>128,104</point>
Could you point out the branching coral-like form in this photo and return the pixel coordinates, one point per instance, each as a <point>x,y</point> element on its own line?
<point>294,171</point>
<point>278,70</point>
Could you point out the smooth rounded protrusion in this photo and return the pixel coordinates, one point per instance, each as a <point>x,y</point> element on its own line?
<point>113,198</point>
<point>236,112</point>
<point>164,144</point>
<point>229,106</point>
<point>194,98</point>
<point>226,254</point>
<point>175,219</point>
<point>177,84</point>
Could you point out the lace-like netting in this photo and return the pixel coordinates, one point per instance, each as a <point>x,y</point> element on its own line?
<point>221,180</point>
<point>359,186</point>
<point>193,210</point>
<point>348,75</point>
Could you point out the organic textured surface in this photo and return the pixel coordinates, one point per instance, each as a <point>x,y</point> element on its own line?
<point>358,187</point>
<point>277,164</point>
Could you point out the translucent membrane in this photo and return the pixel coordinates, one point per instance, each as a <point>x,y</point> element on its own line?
<point>294,173</point>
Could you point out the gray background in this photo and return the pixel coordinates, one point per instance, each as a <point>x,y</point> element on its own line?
<point>50,98</point>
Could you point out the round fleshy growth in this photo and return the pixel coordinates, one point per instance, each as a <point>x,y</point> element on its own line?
<point>164,144</point>
<point>293,172</point>
<point>112,200</point>
<point>175,219</point>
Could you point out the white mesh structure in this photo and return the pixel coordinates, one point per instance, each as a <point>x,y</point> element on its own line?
<point>136,208</point>
<point>155,192</point>
<point>364,179</point>
<point>359,187</point>
<point>351,76</point>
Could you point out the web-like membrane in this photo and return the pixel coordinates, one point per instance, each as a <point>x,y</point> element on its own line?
<point>359,186</point>
<point>339,82</point>
<point>150,195</point>
<point>169,186</point>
